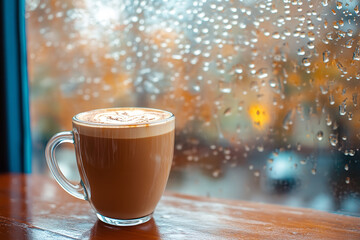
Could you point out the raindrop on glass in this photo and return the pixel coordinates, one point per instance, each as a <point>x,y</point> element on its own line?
<point>320,135</point>
<point>356,54</point>
<point>306,62</point>
<point>328,120</point>
<point>339,5</point>
<point>276,35</point>
<point>349,43</point>
<point>351,152</point>
<point>341,67</point>
<point>354,99</point>
<point>342,109</point>
<point>227,112</point>
<point>331,99</point>
<point>347,180</point>
<point>333,139</point>
<point>262,73</point>
<point>326,56</point>
<point>216,173</point>
<point>236,69</point>
<point>272,83</point>
<point>301,51</point>
<point>356,9</point>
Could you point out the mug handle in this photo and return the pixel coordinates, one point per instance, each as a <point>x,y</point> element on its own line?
<point>59,138</point>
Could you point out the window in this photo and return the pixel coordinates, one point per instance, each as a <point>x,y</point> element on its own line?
<point>265,92</point>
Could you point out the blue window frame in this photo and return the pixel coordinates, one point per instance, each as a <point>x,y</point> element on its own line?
<point>15,146</point>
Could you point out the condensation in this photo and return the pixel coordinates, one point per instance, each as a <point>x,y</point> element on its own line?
<point>265,91</point>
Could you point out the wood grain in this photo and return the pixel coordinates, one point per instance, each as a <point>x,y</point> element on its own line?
<point>35,207</point>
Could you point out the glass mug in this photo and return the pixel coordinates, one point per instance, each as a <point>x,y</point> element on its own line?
<point>124,156</point>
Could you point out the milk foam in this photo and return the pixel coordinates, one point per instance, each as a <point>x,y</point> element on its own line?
<point>124,122</point>
<point>124,116</point>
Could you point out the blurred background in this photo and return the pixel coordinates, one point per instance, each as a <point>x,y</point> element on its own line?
<point>265,93</point>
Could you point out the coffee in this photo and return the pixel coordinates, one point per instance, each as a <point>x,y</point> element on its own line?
<point>124,156</point>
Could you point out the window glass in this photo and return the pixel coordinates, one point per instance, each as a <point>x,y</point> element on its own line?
<point>265,93</point>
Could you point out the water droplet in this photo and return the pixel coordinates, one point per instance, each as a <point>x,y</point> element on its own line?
<point>324,90</point>
<point>346,167</point>
<point>301,51</point>
<point>351,152</point>
<point>347,180</point>
<point>251,167</point>
<point>349,43</point>
<point>270,160</point>
<point>354,99</point>
<point>227,112</point>
<point>225,90</point>
<point>311,36</point>
<point>311,45</point>
<point>272,83</point>
<point>196,88</point>
<point>328,120</point>
<point>341,67</point>
<point>238,69</point>
<point>356,9</point>
<point>288,120</point>
<point>216,173</point>
<point>342,109</point>
<point>306,62</point>
<point>356,54</point>
<point>276,35</point>
<point>260,148</point>
<point>324,3</point>
<point>313,171</point>
<point>262,73</point>
<point>256,173</point>
<point>303,161</point>
<point>225,87</point>
<point>331,99</point>
<point>333,139</point>
<point>339,5</point>
<point>326,54</point>
<point>350,116</point>
<point>320,135</point>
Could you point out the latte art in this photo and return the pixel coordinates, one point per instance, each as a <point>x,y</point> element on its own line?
<point>124,116</point>
<point>127,117</point>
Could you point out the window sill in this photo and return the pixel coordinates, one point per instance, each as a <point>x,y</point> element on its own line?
<point>34,206</point>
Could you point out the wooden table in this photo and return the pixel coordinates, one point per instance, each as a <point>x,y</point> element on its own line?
<point>35,207</point>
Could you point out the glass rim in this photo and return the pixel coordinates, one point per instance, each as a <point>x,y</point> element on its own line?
<point>161,121</point>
